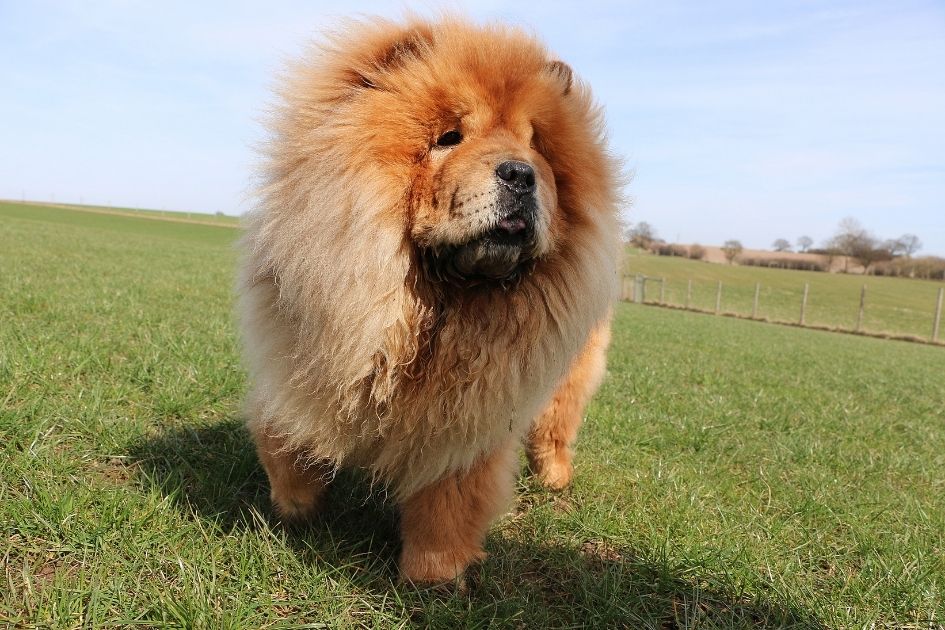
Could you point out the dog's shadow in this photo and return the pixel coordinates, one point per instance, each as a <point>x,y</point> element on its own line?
<point>212,473</point>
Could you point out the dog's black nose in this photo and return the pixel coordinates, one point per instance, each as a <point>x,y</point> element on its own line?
<point>518,176</point>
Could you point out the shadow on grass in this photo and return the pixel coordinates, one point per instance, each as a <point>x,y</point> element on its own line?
<point>212,473</point>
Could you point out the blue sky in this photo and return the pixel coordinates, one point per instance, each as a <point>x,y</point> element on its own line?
<point>748,120</point>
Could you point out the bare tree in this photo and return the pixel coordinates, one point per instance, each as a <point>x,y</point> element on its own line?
<point>804,243</point>
<point>782,245</point>
<point>849,231</point>
<point>894,246</point>
<point>642,235</point>
<point>910,244</point>
<point>850,236</point>
<point>731,249</point>
<point>866,250</point>
<point>905,245</point>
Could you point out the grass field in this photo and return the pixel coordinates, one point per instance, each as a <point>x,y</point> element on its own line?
<point>163,215</point>
<point>893,305</point>
<point>731,473</point>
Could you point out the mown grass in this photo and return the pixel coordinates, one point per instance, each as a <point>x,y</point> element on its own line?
<point>893,305</point>
<point>730,474</point>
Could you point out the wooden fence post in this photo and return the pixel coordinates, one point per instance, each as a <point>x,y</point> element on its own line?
<point>662,290</point>
<point>754,306</point>
<point>938,314</point>
<point>718,299</point>
<point>689,294</point>
<point>638,289</point>
<point>859,315</point>
<point>804,302</point>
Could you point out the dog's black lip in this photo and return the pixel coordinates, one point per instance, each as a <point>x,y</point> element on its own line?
<point>439,262</point>
<point>496,255</point>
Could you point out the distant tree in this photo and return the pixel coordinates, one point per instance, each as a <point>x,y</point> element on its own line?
<point>642,235</point>
<point>850,237</point>
<point>731,249</point>
<point>866,250</point>
<point>910,244</point>
<point>849,233</point>
<point>893,246</point>
<point>905,245</point>
<point>804,243</point>
<point>781,245</point>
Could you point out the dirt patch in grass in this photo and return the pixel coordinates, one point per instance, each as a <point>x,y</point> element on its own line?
<point>117,470</point>
<point>600,552</point>
<point>35,570</point>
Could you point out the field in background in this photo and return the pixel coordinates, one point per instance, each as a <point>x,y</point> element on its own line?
<point>730,473</point>
<point>893,305</point>
<point>164,215</point>
<point>715,254</point>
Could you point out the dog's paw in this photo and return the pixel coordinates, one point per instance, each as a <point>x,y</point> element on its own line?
<point>296,507</point>
<point>551,466</point>
<point>555,474</point>
<point>438,568</point>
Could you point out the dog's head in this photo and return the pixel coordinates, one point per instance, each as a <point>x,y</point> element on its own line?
<point>485,147</point>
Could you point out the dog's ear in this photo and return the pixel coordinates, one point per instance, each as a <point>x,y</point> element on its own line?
<point>390,52</point>
<point>561,72</point>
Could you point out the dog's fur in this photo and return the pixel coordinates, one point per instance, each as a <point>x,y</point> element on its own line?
<point>376,335</point>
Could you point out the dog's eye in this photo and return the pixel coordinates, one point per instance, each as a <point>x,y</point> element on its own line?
<point>449,139</point>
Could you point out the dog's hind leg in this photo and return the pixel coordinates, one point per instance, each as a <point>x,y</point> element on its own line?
<point>554,431</point>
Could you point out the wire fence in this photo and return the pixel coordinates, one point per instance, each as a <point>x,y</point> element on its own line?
<point>793,307</point>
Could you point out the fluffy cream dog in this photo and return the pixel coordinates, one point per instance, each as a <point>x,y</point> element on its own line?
<point>429,275</point>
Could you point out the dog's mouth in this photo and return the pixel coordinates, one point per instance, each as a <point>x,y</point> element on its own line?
<point>499,255</point>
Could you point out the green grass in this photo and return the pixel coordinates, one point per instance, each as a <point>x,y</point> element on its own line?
<point>165,215</point>
<point>893,305</point>
<point>730,474</point>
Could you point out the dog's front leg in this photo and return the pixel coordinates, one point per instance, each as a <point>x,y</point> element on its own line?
<point>443,526</point>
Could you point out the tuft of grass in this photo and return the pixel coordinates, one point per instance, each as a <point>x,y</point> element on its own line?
<point>730,473</point>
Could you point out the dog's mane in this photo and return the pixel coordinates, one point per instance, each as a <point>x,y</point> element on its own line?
<point>334,300</point>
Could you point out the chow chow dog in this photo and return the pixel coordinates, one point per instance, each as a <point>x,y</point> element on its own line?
<point>427,280</point>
